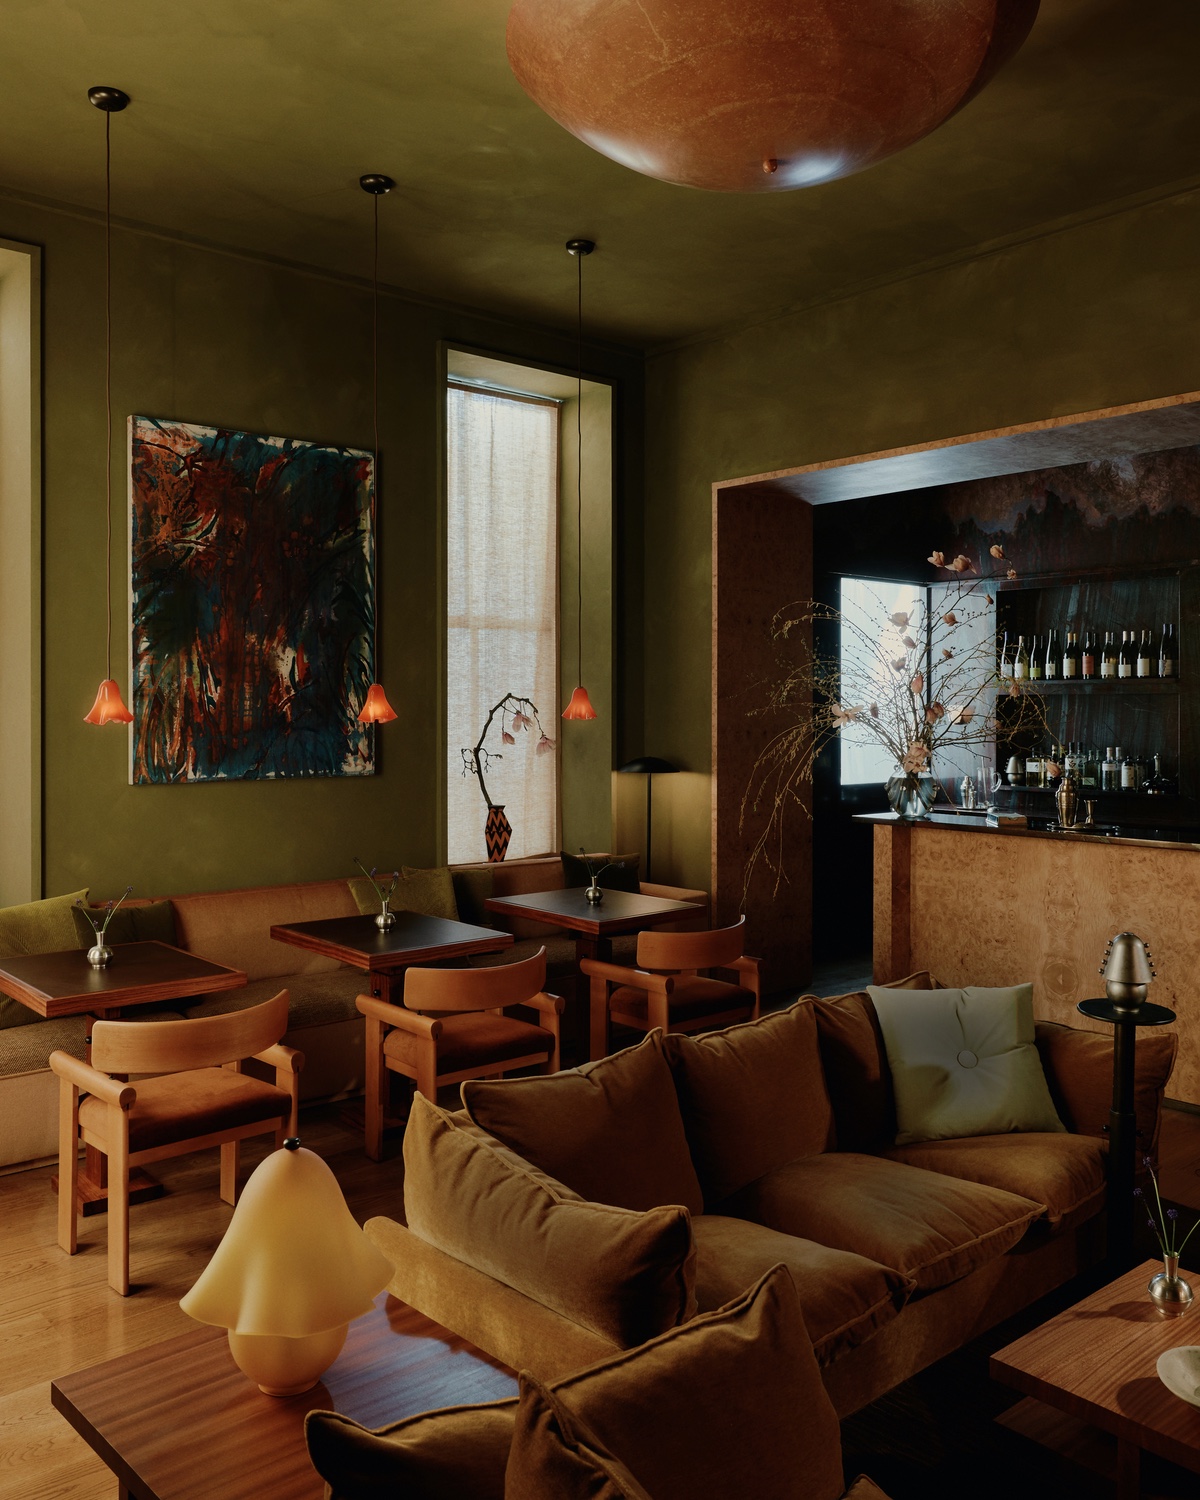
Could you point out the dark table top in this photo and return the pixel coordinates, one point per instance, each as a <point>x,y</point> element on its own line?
<point>620,911</point>
<point>65,984</point>
<point>414,939</point>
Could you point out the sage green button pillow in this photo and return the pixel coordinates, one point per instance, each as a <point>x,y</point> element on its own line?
<point>963,1062</point>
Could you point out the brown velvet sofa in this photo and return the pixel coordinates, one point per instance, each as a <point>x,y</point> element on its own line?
<point>233,928</point>
<point>774,1139</point>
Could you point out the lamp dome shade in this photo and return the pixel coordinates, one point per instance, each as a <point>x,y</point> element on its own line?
<point>377,709</point>
<point>109,707</point>
<point>761,95</point>
<point>293,1261</point>
<point>580,706</point>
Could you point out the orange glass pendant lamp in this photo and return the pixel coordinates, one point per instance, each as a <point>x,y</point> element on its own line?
<point>376,709</point>
<point>109,707</point>
<point>580,706</point>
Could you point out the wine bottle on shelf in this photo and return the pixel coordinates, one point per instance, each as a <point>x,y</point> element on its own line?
<point>1021,660</point>
<point>1158,783</point>
<point>1168,657</point>
<point>1109,657</point>
<point>1125,661</point>
<point>1037,659</point>
<point>1088,661</point>
<point>1070,657</point>
<point>1129,772</point>
<point>1005,658</point>
<point>1053,658</point>
<point>1145,656</point>
<point>1035,768</point>
<point>1110,771</point>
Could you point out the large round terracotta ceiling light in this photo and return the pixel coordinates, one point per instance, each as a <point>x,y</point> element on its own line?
<point>746,96</point>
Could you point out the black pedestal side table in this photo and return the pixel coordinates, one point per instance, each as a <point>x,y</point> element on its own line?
<point>1122,1118</point>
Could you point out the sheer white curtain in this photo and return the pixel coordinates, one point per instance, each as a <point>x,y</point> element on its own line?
<point>502,615</point>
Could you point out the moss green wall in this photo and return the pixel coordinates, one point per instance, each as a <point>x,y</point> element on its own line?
<point>1094,315</point>
<point>218,338</point>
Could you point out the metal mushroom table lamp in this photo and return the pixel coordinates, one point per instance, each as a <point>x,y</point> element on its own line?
<point>1127,970</point>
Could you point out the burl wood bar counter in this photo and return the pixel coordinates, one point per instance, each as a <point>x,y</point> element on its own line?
<point>991,906</point>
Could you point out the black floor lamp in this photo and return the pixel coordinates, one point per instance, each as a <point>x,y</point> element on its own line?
<point>648,766</point>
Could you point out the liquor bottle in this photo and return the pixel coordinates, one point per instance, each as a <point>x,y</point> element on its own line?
<point>1089,767</point>
<point>1125,661</point>
<point>1072,761</point>
<point>1168,657</point>
<point>1110,773</point>
<point>1035,768</point>
<point>1145,656</point>
<point>1129,772</point>
<point>1070,659</point>
<point>1021,660</point>
<point>1037,660</point>
<point>1158,783</point>
<point>1090,664</point>
<point>1053,659</point>
<point>1109,658</point>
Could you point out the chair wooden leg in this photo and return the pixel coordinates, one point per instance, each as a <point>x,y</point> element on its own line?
<point>68,1166</point>
<point>118,1207</point>
<point>229,1171</point>
<point>658,1011</point>
<point>600,1037</point>
<point>375,1094</point>
<point>427,1068</point>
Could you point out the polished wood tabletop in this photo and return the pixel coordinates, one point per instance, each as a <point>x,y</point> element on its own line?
<point>1096,1361</point>
<point>179,1420</point>
<point>65,984</point>
<point>620,911</point>
<point>414,939</point>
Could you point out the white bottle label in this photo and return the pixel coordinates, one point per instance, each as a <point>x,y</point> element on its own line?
<point>1168,667</point>
<point>1051,667</point>
<point>1108,667</point>
<point>1020,669</point>
<point>1124,670</point>
<point>1128,777</point>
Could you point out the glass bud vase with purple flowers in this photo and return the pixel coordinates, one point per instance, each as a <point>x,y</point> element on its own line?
<point>1169,1292</point>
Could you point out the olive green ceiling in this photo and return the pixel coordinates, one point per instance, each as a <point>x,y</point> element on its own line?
<point>252,120</point>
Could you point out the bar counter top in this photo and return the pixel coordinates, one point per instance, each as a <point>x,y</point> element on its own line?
<point>1040,828</point>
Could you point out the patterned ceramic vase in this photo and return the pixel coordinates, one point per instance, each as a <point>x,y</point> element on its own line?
<point>497,831</point>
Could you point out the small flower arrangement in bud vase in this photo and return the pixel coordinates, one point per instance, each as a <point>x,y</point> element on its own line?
<point>386,919</point>
<point>914,681</point>
<point>100,954</point>
<point>593,892</point>
<point>517,716</point>
<point>1168,1290</point>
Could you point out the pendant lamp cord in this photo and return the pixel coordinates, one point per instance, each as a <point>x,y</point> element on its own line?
<point>108,394</point>
<point>375,417</point>
<point>579,464</point>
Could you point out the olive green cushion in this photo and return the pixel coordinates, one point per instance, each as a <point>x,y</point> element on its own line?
<point>963,1062</point>
<point>34,927</point>
<point>614,872</point>
<point>429,893</point>
<point>153,922</point>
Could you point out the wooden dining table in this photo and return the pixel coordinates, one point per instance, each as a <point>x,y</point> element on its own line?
<point>65,984</point>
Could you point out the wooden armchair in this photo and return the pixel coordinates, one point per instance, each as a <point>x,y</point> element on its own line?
<point>668,989</point>
<point>197,1097</point>
<point>468,1037</point>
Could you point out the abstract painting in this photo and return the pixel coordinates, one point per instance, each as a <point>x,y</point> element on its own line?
<point>252,571</point>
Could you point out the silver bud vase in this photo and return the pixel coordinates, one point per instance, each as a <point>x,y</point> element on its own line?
<point>593,895</point>
<point>386,919</point>
<point>99,955</point>
<point>1169,1292</point>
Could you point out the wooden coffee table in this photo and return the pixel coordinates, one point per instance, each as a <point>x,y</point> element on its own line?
<point>1096,1361</point>
<point>179,1421</point>
<point>65,984</point>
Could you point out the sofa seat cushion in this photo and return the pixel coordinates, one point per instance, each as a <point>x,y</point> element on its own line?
<point>691,999</point>
<point>180,1106</point>
<point>560,954</point>
<point>845,1298</point>
<point>234,927</point>
<point>27,1049</point>
<point>623,1275</point>
<point>313,999</point>
<point>1064,1173</point>
<point>611,1129</point>
<point>930,1227</point>
<point>472,1038</point>
<point>753,1098</point>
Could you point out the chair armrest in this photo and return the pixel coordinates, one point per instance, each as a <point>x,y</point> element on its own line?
<point>549,1005</point>
<point>395,1015</point>
<point>92,1081</point>
<point>1078,1066</point>
<point>641,979</point>
<point>745,965</point>
<point>283,1059</point>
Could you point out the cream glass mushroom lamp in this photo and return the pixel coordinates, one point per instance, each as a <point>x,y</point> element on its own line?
<point>291,1272</point>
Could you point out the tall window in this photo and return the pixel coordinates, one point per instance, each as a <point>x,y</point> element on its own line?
<point>868,642</point>
<point>502,615</point>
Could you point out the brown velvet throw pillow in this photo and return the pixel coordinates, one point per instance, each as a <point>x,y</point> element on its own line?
<point>753,1097</point>
<point>554,1457</point>
<point>439,1455</point>
<point>147,922</point>
<point>626,1276</point>
<point>730,1404</point>
<point>611,1130</point>
<point>1078,1066</point>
